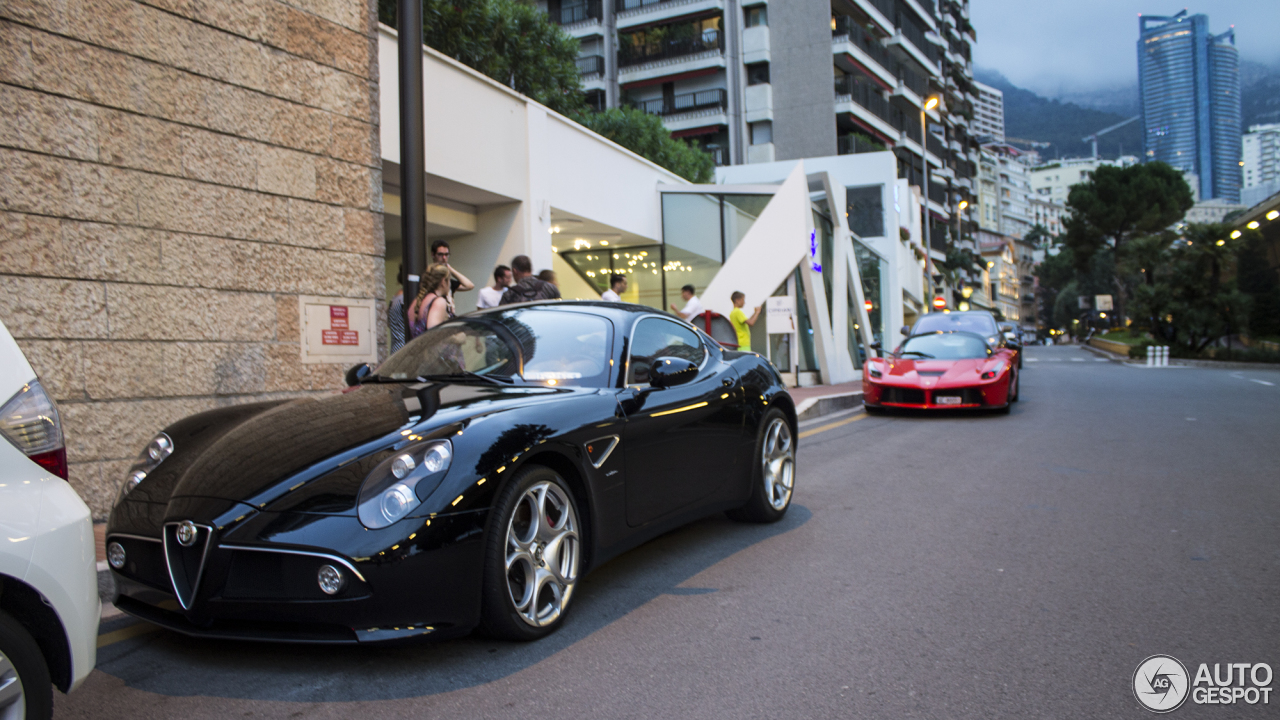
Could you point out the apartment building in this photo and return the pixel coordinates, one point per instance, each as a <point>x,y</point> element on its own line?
<point>1261,152</point>
<point>754,81</point>
<point>988,115</point>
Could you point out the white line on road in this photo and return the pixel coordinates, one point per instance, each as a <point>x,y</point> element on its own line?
<point>1033,359</point>
<point>1077,359</point>
<point>1262,382</point>
<point>1100,360</point>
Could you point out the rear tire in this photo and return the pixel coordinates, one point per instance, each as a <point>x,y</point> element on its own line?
<point>25,688</point>
<point>773,467</point>
<point>533,554</point>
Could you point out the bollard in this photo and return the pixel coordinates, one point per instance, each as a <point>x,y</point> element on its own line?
<point>1151,356</point>
<point>1164,356</point>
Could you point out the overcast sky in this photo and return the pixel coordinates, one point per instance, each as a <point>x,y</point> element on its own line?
<point>1053,46</point>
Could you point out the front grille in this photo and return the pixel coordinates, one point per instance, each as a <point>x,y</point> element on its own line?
<point>256,575</point>
<point>968,396</point>
<point>186,564</point>
<point>904,396</point>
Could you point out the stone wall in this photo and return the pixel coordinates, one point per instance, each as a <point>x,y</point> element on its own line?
<point>173,175</point>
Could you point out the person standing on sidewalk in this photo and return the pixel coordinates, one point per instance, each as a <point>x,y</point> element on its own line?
<point>492,296</point>
<point>527,287</point>
<point>431,307</point>
<point>617,286</point>
<point>692,305</point>
<point>395,316</point>
<point>457,281</point>
<point>741,323</point>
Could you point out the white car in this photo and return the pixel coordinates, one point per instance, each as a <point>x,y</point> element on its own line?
<point>49,607</point>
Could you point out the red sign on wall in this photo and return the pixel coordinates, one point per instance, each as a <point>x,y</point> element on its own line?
<point>338,317</point>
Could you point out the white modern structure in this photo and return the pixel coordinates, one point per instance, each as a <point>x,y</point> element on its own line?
<point>1053,181</point>
<point>506,176</point>
<point>1261,152</point>
<point>988,113</point>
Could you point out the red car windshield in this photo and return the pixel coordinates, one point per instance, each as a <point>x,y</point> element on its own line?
<point>944,346</point>
<point>980,323</point>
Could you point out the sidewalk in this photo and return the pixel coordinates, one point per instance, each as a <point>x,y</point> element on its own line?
<point>818,400</point>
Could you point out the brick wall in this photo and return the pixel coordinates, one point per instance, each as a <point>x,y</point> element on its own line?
<point>173,174</point>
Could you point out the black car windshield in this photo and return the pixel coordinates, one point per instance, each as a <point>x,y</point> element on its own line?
<point>944,346</point>
<point>557,347</point>
<point>979,323</point>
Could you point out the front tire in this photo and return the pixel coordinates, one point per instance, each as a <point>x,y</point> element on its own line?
<point>26,692</point>
<point>772,473</point>
<point>532,556</point>
<point>1016,387</point>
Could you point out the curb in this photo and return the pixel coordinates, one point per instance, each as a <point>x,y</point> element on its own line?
<point>1113,357</point>
<point>816,407</point>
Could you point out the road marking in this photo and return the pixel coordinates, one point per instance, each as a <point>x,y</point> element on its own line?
<point>123,634</point>
<point>1077,359</point>
<point>1033,359</point>
<point>1100,360</point>
<point>831,426</point>
<point>1262,382</point>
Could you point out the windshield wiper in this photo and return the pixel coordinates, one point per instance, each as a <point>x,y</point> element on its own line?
<point>494,379</point>
<point>916,352</point>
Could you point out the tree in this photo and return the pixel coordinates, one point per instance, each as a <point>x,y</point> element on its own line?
<point>1055,274</point>
<point>645,135</point>
<point>1192,299</point>
<point>1256,279</point>
<point>517,45</point>
<point>1118,205</point>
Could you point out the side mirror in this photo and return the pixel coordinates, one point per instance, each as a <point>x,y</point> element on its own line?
<point>906,330</point>
<point>357,374</point>
<point>876,346</point>
<point>670,371</point>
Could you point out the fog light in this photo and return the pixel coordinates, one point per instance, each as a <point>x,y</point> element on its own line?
<point>331,579</point>
<point>115,555</point>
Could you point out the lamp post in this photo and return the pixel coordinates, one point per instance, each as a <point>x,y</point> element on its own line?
<point>924,164</point>
<point>413,171</point>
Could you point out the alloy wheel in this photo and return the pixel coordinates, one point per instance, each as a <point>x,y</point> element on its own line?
<point>778,461</point>
<point>542,553</point>
<point>13,705</point>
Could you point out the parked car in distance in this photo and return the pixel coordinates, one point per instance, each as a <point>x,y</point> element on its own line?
<point>49,607</point>
<point>1013,339</point>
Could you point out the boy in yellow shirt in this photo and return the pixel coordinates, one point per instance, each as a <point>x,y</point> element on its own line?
<point>741,323</point>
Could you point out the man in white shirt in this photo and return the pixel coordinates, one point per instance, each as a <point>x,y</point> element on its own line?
<point>617,286</point>
<point>491,296</point>
<point>692,305</point>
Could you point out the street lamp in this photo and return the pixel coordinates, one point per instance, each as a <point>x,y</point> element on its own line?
<point>930,104</point>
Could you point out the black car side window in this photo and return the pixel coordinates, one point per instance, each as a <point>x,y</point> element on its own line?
<point>657,337</point>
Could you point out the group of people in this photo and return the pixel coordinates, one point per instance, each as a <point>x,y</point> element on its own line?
<point>438,285</point>
<point>515,284</point>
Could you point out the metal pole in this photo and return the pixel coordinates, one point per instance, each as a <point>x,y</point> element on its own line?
<point>928,250</point>
<point>413,171</point>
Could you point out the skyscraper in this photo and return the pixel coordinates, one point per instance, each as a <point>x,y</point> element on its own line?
<point>1189,90</point>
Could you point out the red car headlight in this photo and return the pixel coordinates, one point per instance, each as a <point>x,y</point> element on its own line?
<point>874,372</point>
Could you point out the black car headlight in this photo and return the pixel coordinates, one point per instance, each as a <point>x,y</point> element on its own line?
<point>160,447</point>
<point>391,491</point>
<point>875,373</point>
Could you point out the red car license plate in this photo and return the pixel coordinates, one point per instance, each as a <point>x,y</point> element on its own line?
<point>947,399</point>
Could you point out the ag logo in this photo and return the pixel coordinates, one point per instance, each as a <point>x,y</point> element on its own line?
<point>1160,683</point>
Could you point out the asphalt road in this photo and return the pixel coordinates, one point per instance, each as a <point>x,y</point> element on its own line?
<point>959,566</point>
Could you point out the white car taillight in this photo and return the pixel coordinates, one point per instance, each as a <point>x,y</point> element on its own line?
<point>30,421</point>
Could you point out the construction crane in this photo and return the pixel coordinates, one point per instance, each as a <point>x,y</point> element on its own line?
<point>1094,137</point>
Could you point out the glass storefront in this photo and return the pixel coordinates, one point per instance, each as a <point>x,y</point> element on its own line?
<point>699,232</point>
<point>641,265</point>
<point>873,269</point>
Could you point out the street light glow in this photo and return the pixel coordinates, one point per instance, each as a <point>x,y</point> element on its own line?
<point>1253,225</point>
<point>964,204</point>
<point>1235,234</point>
<point>931,104</point>
<point>1273,214</point>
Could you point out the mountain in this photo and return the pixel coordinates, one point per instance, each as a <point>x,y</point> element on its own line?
<point>1259,94</point>
<point>1062,124</point>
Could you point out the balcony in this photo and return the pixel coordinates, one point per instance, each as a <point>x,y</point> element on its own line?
<point>855,143</point>
<point>631,13</point>
<point>865,47</point>
<point>578,12</point>
<point>686,103</point>
<point>709,43</point>
<point>910,38</point>
<point>591,65</point>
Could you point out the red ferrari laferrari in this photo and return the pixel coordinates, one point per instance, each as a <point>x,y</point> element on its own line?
<point>944,370</point>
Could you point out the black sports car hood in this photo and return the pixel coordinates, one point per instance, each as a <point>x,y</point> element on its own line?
<point>312,454</point>
<point>259,451</point>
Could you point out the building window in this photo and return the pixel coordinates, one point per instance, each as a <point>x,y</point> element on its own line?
<point>762,132</point>
<point>865,210</point>
<point>757,16</point>
<point>758,73</point>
